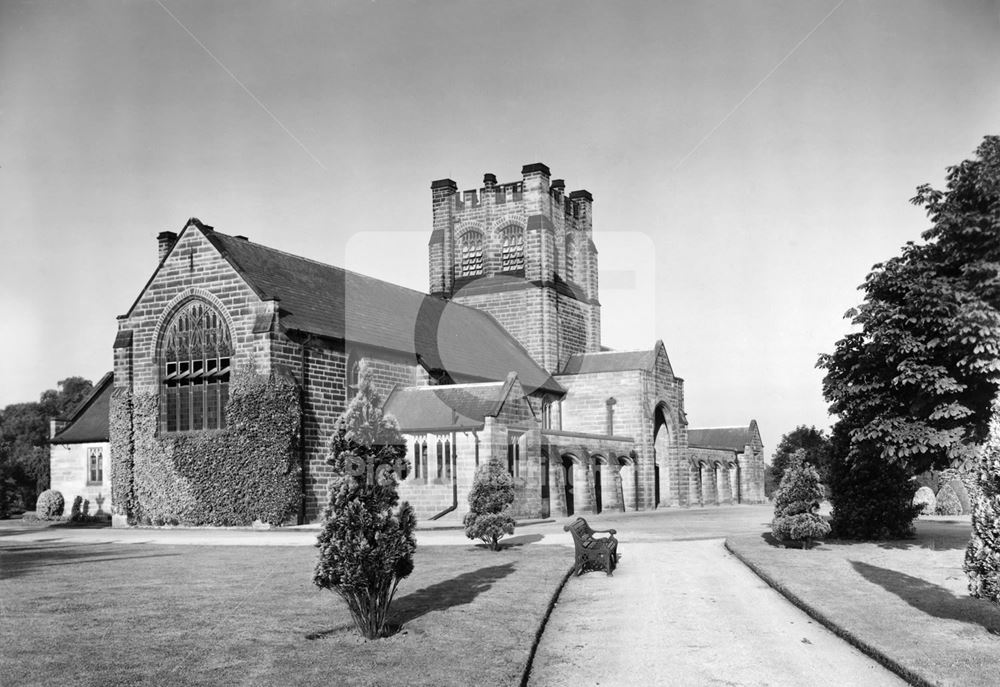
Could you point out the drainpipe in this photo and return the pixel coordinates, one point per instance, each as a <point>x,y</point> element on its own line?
<point>454,482</point>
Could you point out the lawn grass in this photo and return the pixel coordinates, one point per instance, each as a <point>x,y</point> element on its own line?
<point>117,614</point>
<point>906,600</point>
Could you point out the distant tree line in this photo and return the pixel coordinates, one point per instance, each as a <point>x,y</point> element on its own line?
<point>24,448</point>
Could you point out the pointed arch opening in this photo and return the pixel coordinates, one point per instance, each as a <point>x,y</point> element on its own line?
<point>511,248</point>
<point>195,357</point>
<point>471,254</point>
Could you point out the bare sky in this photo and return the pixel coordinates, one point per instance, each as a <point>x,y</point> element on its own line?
<point>750,161</point>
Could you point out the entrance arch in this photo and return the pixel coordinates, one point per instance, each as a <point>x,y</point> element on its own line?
<point>568,460</point>
<point>604,485</point>
<point>662,440</point>
<point>630,493</point>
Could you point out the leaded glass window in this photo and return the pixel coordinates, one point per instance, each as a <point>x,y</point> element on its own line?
<point>472,254</point>
<point>95,465</point>
<point>511,249</point>
<point>195,359</point>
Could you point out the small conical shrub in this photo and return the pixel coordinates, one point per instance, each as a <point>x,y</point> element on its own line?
<point>366,545</point>
<point>796,504</point>
<point>489,517</point>
<point>982,556</point>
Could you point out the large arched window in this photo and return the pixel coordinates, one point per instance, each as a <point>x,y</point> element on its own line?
<point>471,246</point>
<point>195,356</point>
<point>511,249</point>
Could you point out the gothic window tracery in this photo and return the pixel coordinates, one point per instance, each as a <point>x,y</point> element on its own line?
<point>471,246</point>
<point>511,249</point>
<point>195,359</point>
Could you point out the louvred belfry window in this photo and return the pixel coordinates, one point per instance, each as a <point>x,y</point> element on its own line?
<point>511,249</point>
<point>195,360</point>
<point>472,254</point>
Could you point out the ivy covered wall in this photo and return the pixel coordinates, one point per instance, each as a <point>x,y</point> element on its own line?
<point>246,472</point>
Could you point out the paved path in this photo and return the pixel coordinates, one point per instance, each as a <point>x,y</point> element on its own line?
<point>679,611</point>
<point>689,613</point>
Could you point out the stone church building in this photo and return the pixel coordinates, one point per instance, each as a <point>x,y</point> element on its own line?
<point>502,358</point>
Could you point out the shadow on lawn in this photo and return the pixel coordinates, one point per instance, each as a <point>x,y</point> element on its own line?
<point>520,540</point>
<point>457,591</point>
<point>930,598</point>
<point>23,560</point>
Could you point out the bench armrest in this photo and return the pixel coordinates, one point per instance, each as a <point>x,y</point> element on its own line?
<point>602,531</point>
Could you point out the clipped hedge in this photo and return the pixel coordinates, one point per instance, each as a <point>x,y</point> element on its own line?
<point>926,500</point>
<point>246,472</point>
<point>948,502</point>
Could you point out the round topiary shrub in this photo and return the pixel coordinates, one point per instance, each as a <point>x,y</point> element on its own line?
<point>926,500</point>
<point>50,504</point>
<point>948,502</point>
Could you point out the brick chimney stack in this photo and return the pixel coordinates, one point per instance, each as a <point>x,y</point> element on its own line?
<point>164,242</point>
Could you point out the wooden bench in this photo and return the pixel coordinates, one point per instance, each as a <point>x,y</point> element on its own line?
<point>591,551</point>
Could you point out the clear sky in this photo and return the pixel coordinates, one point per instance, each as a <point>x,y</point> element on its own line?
<point>750,161</point>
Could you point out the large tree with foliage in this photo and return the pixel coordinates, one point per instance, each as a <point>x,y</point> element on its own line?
<point>366,544</point>
<point>815,447</point>
<point>914,385</point>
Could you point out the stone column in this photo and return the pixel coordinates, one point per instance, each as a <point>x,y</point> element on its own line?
<point>694,486</point>
<point>710,495</point>
<point>726,496</point>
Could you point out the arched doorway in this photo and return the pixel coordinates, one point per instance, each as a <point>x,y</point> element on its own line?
<point>630,496</point>
<point>661,457</point>
<point>567,465</point>
<point>604,485</point>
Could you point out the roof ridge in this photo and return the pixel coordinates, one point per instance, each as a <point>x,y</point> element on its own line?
<point>437,387</point>
<point>330,265</point>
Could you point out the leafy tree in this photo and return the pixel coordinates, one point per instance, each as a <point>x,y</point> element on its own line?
<point>59,404</point>
<point>489,517</point>
<point>872,498</point>
<point>982,556</point>
<point>796,503</point>
<point>816,447</point>
<point>366,545</point>
<point>913,387</point>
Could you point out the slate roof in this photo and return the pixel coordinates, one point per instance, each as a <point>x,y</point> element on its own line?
<point>609,361</point>
<point>724,438</point>
<point>332,302</point>
<point>458,406</point>
<point>89,421</point>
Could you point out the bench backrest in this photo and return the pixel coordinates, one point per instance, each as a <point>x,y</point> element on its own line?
<point>581,531</point>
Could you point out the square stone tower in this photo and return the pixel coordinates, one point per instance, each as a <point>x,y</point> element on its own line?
<point>524,252</point>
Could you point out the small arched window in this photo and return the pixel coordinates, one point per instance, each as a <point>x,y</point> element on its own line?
<point>353,376</point>
<point>570,258</point>
<point>471,246</point>
<point>195,358</point>
<point>511,249</point>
